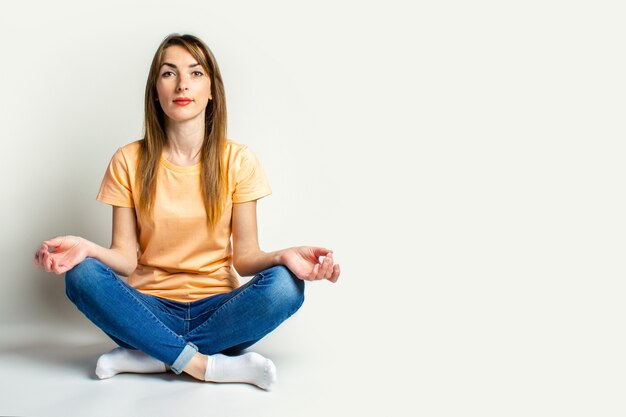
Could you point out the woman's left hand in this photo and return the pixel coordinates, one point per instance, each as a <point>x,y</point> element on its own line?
<point>304,262</point>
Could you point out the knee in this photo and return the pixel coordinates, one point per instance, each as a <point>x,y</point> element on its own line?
<point>81,279</point>
<point>288,288</point>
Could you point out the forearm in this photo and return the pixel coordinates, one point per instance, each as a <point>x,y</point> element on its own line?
<point>121,261</point>
<point>252,263</point>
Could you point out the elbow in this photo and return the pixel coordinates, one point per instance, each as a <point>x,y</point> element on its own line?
<point>239,267</point>
<point>123,261</point>
<point>125,269</point>
<point>244,265</point>
<point>131,268</point>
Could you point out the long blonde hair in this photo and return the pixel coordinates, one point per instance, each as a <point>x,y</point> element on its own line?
<point>213,172</point>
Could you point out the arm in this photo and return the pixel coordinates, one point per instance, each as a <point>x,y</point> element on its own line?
<point>63,253</point>
<point>249,259</point>
<point>122,254</point>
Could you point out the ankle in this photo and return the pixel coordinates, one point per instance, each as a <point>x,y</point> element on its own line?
<point>197,366</point>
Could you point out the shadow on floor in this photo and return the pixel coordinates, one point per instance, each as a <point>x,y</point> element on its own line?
<point>59,354</point>
<point>68,355</point>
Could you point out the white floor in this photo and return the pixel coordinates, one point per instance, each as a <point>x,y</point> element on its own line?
<point>49,371</point>
<point>351,367</point>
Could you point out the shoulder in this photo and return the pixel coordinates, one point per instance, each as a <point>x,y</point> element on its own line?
<point>132,149</point>
<point>234,149</point>
<point>128,154</point>
<point>237,153</point>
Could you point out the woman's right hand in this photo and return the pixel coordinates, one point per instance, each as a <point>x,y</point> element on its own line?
<point>62,253</point>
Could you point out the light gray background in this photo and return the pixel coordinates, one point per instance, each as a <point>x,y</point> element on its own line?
<point>465,160</point>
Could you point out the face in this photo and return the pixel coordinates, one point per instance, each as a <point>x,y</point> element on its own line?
<point>183,86</point>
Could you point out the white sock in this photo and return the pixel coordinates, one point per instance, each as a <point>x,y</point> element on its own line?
<point>250,368</point>
<point>125,360</point>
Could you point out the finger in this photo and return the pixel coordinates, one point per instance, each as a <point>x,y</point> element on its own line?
<point>313,274</point>
<point>47,262</point>
<point>331,264</point>
<point>53,266</point>
<point>42,251</point>
<point>319,251</point>
<point>326,268</point>
<point>55,241</point>
<point>56,268</point>
<point>38,257</point>
<point>317,269</point>
<point>336,271</point>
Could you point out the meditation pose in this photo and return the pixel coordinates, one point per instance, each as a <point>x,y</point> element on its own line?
<point>178,195</point>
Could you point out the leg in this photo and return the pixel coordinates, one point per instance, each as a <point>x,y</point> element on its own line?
<point>125,314</point>
<point>250,312</point>
<point>239,319</point>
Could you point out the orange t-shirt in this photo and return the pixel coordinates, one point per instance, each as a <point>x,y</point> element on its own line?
<point>179,257</point>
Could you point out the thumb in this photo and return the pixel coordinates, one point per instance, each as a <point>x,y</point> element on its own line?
<point>54,242</point>
<point>318,251</point>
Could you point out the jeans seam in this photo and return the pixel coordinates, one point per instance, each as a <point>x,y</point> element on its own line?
<point>167,313</point>
<point>217,311</point>
<point>187,319</point>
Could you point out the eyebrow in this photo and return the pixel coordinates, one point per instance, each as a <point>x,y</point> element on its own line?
<point>175,67</point>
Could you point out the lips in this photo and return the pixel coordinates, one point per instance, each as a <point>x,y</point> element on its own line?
<point>183,101</point>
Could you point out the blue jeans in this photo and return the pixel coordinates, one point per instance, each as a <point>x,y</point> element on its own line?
<point>174,331</point>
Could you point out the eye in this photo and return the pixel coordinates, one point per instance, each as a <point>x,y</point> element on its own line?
<point>167,74</point>
<point>198,73</point>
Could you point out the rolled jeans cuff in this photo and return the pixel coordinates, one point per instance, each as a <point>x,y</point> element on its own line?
<point>183,359</point>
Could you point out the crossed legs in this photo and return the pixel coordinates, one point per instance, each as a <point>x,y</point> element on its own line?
<point>152,339</point>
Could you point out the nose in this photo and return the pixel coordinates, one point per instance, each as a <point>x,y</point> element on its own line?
<point>182,85</point>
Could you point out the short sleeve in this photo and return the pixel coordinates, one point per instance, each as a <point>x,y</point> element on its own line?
<point>250,181</point>
<point>116,185</point>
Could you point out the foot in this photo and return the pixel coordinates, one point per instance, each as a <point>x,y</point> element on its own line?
<point>121,360</point>
<point>249,368</point>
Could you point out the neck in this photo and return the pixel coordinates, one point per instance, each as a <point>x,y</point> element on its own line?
<point>184,141</point>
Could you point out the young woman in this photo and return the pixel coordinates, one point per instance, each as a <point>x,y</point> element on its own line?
<point>178,195</point>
